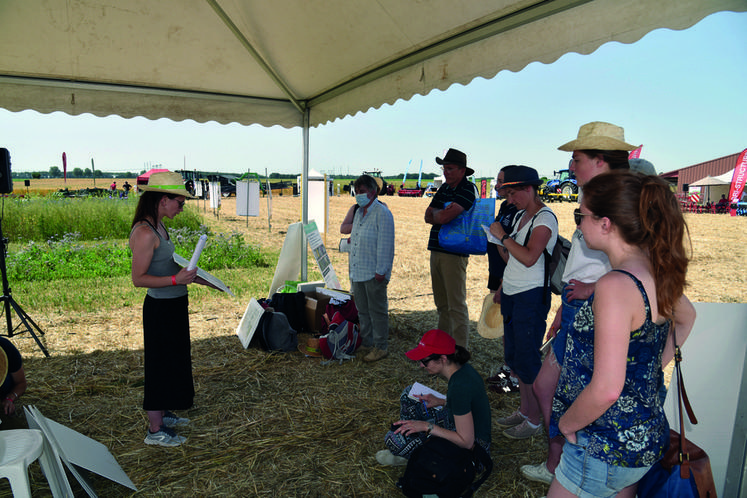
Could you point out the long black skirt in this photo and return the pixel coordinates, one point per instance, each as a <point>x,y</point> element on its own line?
<point>168,355</point>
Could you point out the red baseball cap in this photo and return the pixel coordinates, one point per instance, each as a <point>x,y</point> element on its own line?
<point>435,341</point>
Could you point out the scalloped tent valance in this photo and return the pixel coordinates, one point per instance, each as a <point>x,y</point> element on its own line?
<point>268,62</point>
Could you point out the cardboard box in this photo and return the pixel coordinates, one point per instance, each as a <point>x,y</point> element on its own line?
<point>316,305</point>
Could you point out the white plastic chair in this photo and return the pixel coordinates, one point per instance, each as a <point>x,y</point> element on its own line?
<point>18,448</point>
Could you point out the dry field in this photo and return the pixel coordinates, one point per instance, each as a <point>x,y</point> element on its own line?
<point>283,425</point>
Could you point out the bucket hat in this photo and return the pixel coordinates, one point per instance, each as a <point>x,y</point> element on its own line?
<point>435,341</point>
<point>598,135</point>
<point>520,176</point>
<point>490,325</point>
<point>166,182</point>
<point>454,156</point>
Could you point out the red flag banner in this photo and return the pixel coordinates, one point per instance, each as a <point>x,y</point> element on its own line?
<point>737,182</point>
<point>635,153</point>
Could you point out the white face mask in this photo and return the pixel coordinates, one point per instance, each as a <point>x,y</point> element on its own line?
<point>362,199</point>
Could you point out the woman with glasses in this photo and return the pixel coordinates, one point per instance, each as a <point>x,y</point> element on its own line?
<point>607,404</point>
<point>463,417</point>
<point>168,360</point>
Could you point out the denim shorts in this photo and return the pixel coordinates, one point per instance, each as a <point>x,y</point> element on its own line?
<point>589,477</point>
<point>570,308</point>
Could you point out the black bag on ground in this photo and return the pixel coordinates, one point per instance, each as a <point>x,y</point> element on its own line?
<point>274,333</point>
<point>442,468</point>
<point>293,306</point>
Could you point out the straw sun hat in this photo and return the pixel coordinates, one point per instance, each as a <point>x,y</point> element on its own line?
<point>167,182</point>
<point>490,325</point>
<point>598,136</point>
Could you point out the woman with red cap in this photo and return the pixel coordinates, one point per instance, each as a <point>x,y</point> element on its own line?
<point>462,418</point>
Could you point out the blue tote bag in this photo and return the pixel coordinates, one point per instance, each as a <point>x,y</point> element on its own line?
<point>464,234</point>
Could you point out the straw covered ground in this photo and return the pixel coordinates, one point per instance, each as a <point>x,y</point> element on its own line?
<point>282,424</point>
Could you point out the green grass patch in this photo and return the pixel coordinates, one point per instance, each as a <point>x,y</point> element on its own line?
<point>92,218</point>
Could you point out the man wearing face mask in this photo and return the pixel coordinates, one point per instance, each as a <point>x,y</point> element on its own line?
<point>448,269</point>
<point>371,247</point>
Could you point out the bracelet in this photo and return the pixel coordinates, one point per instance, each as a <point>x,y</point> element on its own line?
<point>503,239</point>
<point>173,279</point>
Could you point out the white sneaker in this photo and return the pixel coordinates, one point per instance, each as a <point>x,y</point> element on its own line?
<point>385,457</point>
<point>164,437</point>
<point>537,473</point>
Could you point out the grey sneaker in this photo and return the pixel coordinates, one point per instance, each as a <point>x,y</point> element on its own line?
<point>537,473</point>
<point>511,421</point>
<point>172,420</point>
<point>164,437</point>
<point>522,431</point>
<point>385,457</point>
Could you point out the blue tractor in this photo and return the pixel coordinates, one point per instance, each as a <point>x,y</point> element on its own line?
<point>562,187</point>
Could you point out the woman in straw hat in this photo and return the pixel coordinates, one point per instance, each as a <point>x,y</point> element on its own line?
<point>463,417</point>
<point>607,405</point>
<point>168,361</point>
<point>12,376</point>
<point>598,148</point>
<point>525,297</point>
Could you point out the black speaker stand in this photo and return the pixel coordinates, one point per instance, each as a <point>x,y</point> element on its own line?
<point>10,303</point>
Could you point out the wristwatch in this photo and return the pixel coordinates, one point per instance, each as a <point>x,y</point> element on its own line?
<point>429,430</point>
<point>503,239</point>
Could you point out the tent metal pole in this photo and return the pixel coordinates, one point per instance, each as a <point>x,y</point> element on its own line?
<point>305,193</point>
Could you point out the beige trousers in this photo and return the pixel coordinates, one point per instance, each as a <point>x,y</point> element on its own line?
<point>449,282</point>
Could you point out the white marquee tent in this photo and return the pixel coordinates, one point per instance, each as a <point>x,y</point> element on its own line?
<point>294,62</point>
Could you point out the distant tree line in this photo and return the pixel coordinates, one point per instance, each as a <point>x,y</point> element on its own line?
<point>292,176</point>
<point>56,172</point>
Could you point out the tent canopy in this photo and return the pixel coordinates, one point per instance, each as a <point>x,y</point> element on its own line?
<point>709,180</point>
<point>143,179</point>
<point>269,62</point>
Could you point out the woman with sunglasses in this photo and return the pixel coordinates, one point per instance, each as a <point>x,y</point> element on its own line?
<point>607,404</point>
<point>167,360</point>
<point>463,417</point>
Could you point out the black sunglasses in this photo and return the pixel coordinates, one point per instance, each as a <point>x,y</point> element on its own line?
<point>429,359</point>
<point>578,216</point>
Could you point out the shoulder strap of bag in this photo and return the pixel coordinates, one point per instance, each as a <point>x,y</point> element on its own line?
<point>544,251</point>
<point>482,457</point>
<point>682,399</point>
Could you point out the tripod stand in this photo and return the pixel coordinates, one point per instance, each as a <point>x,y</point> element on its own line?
<point>7,298</point>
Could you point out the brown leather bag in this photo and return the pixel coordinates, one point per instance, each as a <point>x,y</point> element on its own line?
<point>682,451</point>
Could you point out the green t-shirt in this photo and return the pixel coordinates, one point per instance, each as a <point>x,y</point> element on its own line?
<point>466,393</point>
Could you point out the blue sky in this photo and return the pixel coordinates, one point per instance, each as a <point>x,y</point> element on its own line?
<point>679,93</point>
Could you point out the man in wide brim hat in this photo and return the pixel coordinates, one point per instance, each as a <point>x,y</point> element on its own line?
<point>167,182</point>
<point>449,269</point>
<point>598,135</point>
<point>457,158</point>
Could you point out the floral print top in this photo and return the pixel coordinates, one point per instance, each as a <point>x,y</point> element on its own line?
<point>634,431</point>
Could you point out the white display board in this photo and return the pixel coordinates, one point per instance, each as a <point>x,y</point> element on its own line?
<point>318,204</point>
<point>247,198</point>
<point>713,360</point>
<point>214,195</point>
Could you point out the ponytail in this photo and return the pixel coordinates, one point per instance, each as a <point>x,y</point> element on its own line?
<point>647,215</point>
